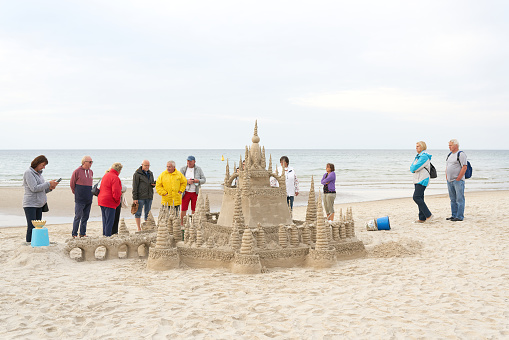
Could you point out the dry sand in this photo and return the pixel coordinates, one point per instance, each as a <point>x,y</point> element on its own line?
<point>437,280</point>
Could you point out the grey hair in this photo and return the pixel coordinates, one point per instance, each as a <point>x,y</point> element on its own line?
<point>455,142</point>
<point>84,159</point>
<point>172,162</point>
<point>117,166</point>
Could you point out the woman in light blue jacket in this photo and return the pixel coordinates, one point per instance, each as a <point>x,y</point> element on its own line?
<point>421,167</point>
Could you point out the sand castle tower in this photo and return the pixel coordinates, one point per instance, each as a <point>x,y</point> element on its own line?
<point>245,262</point>
<point>122,229</point>
<point>323,256</point>
<point>163,256</point>
<point>260,202</point>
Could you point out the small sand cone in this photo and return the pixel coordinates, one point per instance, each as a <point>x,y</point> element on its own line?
<point>335,231</point>
<point>294,240</point>
<point>210,243</point>
<point>311,208</point>
<point>162,257</point>
<point>322,241</point>
<point>283,237</point>
<point>199,238</point>
<point>169,224</point>
<point>207,204</point>
<point>122,230</point>
<point>260,237</point>
<point>149,224</point>
<point>306,234</point>
<point>247,242</point>
<point>162,237</point>
<point>235,238</point>
<point>350,229</point>
<point>187,232</point>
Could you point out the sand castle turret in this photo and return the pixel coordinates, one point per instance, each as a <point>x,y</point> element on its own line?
<point>122,229</point>
<point>306,234</point>
<point>247,242</point>
<point>294,235</point>
<point>323,256</point>
<point>260,202</point>
<point>283,236</point>
<point>245,262</point>
<point>260,237</point>
<point>210,243</point>
<point>311,208</point>
<point>199,238</point>
<point>207,204</point>
<point>235,238</point>
<point>162,256</point>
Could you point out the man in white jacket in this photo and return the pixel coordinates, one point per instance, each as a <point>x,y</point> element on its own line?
<point>292,183</point>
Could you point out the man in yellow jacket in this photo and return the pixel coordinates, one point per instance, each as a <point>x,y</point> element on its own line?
<point>170,185</point>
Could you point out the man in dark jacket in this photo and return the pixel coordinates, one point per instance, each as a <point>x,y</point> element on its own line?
<point>81,186</point>
<point>143,190</point>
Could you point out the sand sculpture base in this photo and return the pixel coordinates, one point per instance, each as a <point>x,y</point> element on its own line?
<point>163,259</point>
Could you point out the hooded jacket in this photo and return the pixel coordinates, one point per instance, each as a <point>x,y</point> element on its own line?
<point>170,184</point>
<point>142,185</point>
<point>420,168</point>
<point>81,185</point>
<point>35,189</point>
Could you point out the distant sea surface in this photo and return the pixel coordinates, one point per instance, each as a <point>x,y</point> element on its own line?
<point>362,175</point>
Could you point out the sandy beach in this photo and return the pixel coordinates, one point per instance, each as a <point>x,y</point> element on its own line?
<point>436,280</point>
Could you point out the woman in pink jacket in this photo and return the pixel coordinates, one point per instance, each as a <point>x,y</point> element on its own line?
<point>109,197</point>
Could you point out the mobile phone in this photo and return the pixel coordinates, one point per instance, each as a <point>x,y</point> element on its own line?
<point>58,180</point>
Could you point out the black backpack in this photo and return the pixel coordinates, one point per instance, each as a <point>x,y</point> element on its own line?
<point>432,172</point>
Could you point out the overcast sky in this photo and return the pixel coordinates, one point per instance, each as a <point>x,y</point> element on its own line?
<point>196,74</point>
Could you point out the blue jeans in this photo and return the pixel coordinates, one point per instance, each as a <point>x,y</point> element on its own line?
<point>81,214</point>
<point>457,196</point>
<point>32,214</point>
<point>289,201</point>
<point>108,215</point>
<point>143,203</point>
<point>424,212</point>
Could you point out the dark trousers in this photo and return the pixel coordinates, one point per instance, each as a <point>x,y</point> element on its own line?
<point>289,201</point>
<point>32,214</point>
<point>114,229</point>
<point>424,212</point>
<point>108,215</point>
<point>81,214</point>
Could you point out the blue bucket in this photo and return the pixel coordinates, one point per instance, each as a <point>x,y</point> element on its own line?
<point>40,237</point>
<point>383,223</point>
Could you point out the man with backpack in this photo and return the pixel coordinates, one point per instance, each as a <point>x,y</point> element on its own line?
<point>456,166</point>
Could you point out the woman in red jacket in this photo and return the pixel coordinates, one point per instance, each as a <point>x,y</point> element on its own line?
<point>109,197</point>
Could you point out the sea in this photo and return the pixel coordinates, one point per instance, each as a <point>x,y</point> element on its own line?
<point>362,175</point>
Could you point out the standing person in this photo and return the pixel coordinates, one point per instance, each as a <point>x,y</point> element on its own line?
<point>143,190</point>
<point>329,190</point>
<point>456,166</point>
<point>292,183</point>
<point>118,210</point>
<point>36,188</point>
<point>195,178</point>
<point>421,168</point>
<point>170,185</point>
<point>81,186</point>
<point>110,197</point>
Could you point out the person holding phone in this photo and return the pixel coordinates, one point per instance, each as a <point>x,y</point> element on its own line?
<point>35,200</point>
<point>81,186</point>
<point>195,178</point>
<point>143,191</point>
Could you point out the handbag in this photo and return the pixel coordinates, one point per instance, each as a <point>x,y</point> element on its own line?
<point>134,208</point>
<point>45,207</point>
<point>95,188</point>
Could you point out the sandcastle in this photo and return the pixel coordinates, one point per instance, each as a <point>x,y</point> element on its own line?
<point>254,229</point>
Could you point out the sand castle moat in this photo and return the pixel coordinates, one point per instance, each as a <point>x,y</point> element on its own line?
<point>254,229</point>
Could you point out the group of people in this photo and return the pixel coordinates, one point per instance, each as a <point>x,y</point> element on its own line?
<point>292,185</point>
<point>178,189</point>
<point>456,167</point>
